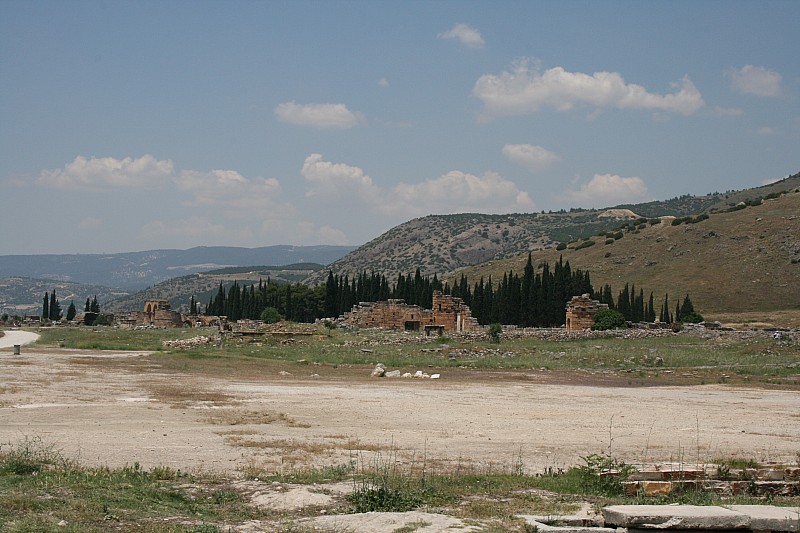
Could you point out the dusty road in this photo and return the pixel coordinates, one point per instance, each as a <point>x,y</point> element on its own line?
<point>115,409</point>
<point>14,336</point>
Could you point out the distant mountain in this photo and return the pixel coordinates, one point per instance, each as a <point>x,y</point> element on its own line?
<point>131,271</point>
<point>204,285</point>
<point>442,244</point>
<point>23,296</point>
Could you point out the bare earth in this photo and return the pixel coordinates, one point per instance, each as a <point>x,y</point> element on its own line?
<point>119,408</point>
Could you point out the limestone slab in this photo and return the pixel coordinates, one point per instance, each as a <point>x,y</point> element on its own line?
<point>674,517</point>
<point>770,517</point>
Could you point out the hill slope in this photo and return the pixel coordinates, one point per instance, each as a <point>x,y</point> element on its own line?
<point>204,285</point>
<point>441,244</point>
<point>743,264</point>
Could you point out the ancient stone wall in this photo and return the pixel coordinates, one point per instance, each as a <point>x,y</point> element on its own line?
<point>450,313</point>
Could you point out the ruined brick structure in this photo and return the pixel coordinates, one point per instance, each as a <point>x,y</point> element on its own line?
<point>580,312</point>
<point>157,313</point>
<point>448,314</point>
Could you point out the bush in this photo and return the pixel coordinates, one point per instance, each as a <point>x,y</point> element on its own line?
<point>585,244</point>
<point>693,318</point>
<point>270,315</point>
<point>494,332</point>
<point>561,246</point>
<point>609,241</point>
<point>608,319</point>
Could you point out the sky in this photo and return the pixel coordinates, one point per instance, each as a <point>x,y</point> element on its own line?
<point>138,125</point>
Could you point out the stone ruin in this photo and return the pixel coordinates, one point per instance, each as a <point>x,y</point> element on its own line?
<point>449,314</point>
<point>157,313</point>
<point>580,312</point>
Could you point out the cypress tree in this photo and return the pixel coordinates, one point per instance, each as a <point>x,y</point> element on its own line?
<point>55,307</point>
<point>46,306</point>
<point>71,311</point>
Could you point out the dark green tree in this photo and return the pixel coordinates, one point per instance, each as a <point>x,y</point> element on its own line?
<point>94,307</point>
<point>55,307</point>
<point>46,306</point>
<point>71,311</point>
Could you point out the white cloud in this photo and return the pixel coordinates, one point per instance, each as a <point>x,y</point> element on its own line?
<point>759,81</point>
<point>766,130</point>
<point>457,192</point>
<point>332,180</point>
<point>524,89</point>
<point>320,116</point>
<point>383,82</point>
<point>605,190</point>
<point>90,223</point>
<point>109,173</point>
<point>227,188</point>
<point>330,235</point>
<point>453,192</point>
<point>533,157</point>
<point>466,35</point>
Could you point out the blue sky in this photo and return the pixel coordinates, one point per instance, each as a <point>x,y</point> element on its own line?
<point>169,124</point>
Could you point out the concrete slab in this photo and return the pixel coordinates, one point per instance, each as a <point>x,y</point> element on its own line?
<point>770,517</point>
<point>578,524</point>
<point>674,517</point>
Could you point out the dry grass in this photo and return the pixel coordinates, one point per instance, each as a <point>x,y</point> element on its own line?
<point>237,417</point>
<point>305,446</point>
<point>182,395</point>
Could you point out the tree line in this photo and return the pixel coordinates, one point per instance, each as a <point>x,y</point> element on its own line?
<point>535,298</point>
<point>51,307</point>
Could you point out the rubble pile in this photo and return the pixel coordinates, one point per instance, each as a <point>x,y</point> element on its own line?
<point>194,342</point>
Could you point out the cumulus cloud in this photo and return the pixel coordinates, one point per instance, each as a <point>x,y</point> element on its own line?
<point>525,89</point>
<point>109,173</point>
<point>321,116</point>
<point>533,157</point>
<point>605,190</point>
<point>332,180</point>
<point>226,187</point>
<point>451,193</point>
<point>759,81</point>
<point>464,34</point>
<point>457,192</point>
<point>383,82</point>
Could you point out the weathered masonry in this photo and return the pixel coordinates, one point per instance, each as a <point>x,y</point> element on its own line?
<point>580,312</point>
<point>448,314</point>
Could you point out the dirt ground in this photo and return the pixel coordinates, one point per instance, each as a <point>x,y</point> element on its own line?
<point>121,408</point>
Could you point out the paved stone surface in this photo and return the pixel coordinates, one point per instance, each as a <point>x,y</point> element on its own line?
<point>769,517</point>
<point>674,517</point>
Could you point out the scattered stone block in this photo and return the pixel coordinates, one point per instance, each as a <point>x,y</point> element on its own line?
<point>655,488</point>
<point>674,517</point>
<point>379,371</point>
<point>769,517</point>
<point>392,374</point>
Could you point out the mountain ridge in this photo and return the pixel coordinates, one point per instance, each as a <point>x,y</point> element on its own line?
<point>132,271</point>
